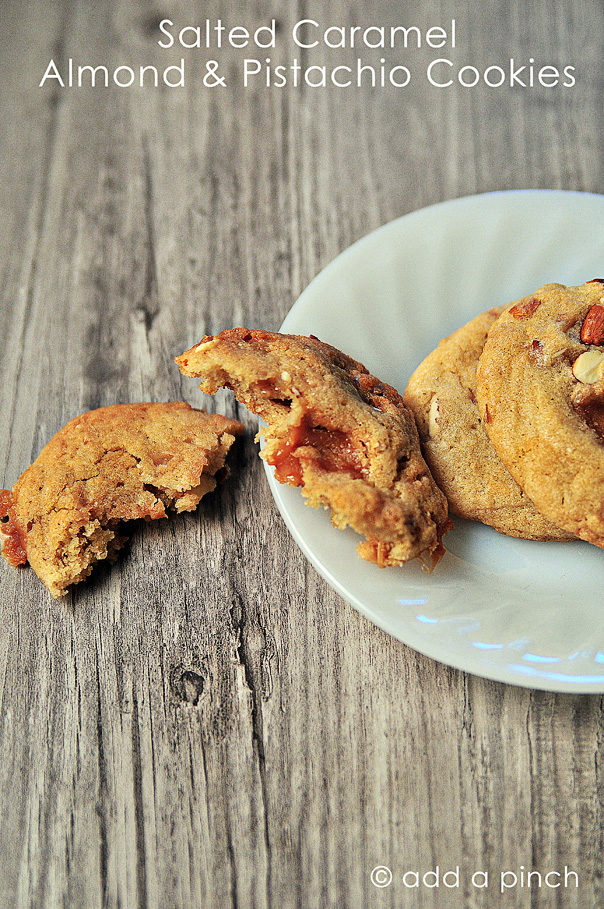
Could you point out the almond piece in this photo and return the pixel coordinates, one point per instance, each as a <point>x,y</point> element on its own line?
<point>589,367</point>
<point>206,345</point>
<point>525,308</point>
<point>592,330</point>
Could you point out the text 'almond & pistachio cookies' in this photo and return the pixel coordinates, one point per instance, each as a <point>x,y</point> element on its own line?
<point>336,431</point>
<point>540,389</point>
<point>110,465</point>
<point>442,396</point>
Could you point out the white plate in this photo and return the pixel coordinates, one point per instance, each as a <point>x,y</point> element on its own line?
<point>521,612</point>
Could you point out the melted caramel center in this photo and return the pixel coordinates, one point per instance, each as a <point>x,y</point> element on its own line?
<point>331,449</point>
<point>588,402</point>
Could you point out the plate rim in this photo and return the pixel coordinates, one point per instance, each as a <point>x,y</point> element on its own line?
<point>436,651</point>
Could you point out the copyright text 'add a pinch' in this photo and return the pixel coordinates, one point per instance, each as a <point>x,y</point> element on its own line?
<point>520,878</point>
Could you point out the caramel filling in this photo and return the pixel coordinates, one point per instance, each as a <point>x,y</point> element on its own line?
<point>588,401</point>
<point>13,545</point>
<point>269,389</point>
<point>593,414</point>
<point>158,459</point>
<point>376,551</point>
<point>331,449</point>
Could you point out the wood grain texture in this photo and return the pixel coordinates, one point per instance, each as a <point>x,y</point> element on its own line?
<point>206,724</point>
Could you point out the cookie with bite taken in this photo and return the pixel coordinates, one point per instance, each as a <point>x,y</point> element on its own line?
<point>106,467</point>
<point>337,432</point>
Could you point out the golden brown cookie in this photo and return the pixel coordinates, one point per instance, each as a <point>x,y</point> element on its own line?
<point>540,389</point>
<point>442,396</point>
<point>106,466</point>
<point>335,430</point>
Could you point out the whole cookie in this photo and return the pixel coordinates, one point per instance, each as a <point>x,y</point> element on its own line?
<point>337,432</point>
<point>540,389</point>
<point>105,467</point>
<point>442,396</point>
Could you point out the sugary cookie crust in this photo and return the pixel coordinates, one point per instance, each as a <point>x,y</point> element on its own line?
<point>109,465</point>
<point>542,407</point>
<point>442,396</point>
<point>335,430</point>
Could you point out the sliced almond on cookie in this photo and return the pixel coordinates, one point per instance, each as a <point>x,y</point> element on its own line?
<point>589,367</point>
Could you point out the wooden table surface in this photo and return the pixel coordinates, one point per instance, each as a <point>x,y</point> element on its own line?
<point>206,723</point>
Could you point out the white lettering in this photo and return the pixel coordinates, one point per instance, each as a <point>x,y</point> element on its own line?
<point>480,880</point>
<point>414,878</point>
<point>154,74</point>
<point>515,75</point>
<point>506,884</point>
<point>436,37</point>
<point>250,68</point>
<point>272,34</point>
<point>280,77</point>
<point>431,879</point>
<point>195,39</point>
<point>568,874</point>
<point>549,76</point>
<point>297,27</point>
<point>93,71</point>
<point>570,81</point>
<point>451,878</point>
<point>180,70</point>
<point>379,41</point>
<point>431,80</point>
<point>499,71</point>
<point>339,40</point>
<point>239,37</point>
<point>130,76</point>
<point>321,81</point>
<point>337,69</point>
<point>405,32</point>
<point>51,73</point>
<point>474,75</point>
<point>406,76</point>
<point>164,26</point>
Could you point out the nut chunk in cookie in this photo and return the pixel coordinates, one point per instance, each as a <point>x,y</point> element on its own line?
<point>104,467</point>
<point>336,431</point>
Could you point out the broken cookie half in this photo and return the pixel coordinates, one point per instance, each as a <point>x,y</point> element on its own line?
<point>107,466</point>
<point>336,431</point>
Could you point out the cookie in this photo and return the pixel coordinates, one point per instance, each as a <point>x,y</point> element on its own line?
<point>540,389</point>
<point>336,431</point>
<point>104,467</point>
<point>442,397</point>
